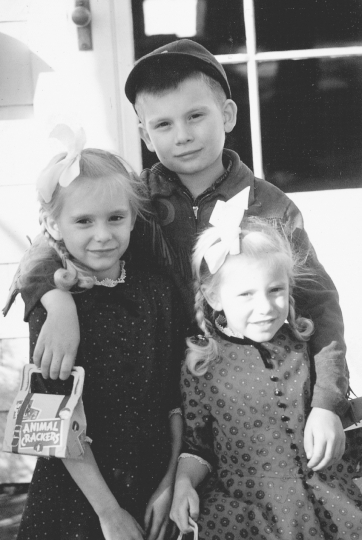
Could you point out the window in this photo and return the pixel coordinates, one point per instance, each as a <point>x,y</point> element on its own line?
<point>295,69</point>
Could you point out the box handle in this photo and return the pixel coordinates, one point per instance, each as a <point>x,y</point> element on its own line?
<point>77,372</point>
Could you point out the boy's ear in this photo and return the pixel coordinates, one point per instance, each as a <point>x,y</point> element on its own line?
<point>52,228</point>
<point>145,137</point>
<point>211,298</point>
<point>230,112</point>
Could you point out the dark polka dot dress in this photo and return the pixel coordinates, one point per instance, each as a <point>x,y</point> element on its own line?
<point>131,349</point>
<point>246,417</point>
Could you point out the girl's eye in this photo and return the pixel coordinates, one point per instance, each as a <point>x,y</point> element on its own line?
<point>116,218</point>
<point>277,289</point>
<point>83,221</point>
<point>245,294</point>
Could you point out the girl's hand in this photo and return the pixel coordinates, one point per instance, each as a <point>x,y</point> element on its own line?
<point>185,504</point>
<point>118,524</point>
<point>324,438</point>
<point>157,511</point>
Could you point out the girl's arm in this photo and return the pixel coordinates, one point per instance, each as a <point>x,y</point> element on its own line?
<point>190,473</point>
<point>116,523</point>
<point>158,508</point>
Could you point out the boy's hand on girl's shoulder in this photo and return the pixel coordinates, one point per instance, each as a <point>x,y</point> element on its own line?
<point>57,345</point>
<point>324,438</point>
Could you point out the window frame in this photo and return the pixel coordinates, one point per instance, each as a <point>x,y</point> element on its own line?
<point>251,58</point>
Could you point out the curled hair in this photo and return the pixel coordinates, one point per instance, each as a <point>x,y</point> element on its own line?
<point>258,240</point>
<point>109,171</point>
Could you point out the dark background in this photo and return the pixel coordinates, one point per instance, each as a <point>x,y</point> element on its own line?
<point>311,110</point>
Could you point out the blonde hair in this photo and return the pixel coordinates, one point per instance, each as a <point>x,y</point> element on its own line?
<point>96,165</point>
<point>258,240</point>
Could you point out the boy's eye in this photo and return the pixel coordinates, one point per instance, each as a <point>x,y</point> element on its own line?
<point>162,125</point>
<point>195,116</point>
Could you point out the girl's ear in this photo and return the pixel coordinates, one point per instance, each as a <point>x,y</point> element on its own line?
<point>145,137</point>
<point>212,298</point>
<point>230,111</point>
<point>52,228</point>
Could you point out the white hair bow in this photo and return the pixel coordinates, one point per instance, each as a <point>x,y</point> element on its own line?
<point>226,218</point>
<point>65,170</point>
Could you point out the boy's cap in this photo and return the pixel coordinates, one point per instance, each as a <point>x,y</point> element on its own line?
<point>183,48</point>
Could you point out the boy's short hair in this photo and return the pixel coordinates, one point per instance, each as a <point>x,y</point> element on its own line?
<point>168,66</point>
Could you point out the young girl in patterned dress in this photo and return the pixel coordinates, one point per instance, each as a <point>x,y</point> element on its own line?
<point>131,348</point>
<point>251,439</point>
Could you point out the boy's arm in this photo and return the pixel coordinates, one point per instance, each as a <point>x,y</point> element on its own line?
<point>57,345</point>
<point>324,438</point>
<point>58,341</point>
<point>317,298</point>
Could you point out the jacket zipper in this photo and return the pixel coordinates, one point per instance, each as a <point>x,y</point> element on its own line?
<point>195,207</point>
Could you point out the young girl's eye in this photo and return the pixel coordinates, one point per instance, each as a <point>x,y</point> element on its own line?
<point>116,218</point>
<point>277,289</point>
<point>83,221</point>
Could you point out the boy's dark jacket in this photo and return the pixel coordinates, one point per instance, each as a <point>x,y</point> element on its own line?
<point>170,234</point>
<point>181,218</point>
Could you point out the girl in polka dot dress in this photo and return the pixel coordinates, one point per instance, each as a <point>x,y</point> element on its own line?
<point>253,446</point>
<point>130,348</point>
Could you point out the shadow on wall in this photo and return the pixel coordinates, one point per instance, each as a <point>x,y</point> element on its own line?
<point>20,69</point>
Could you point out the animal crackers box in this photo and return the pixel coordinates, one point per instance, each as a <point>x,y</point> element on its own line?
<point>47,424</point>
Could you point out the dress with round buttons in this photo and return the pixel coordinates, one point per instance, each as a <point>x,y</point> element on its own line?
<point>247,421</point>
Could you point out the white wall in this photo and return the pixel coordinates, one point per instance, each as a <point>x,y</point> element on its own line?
<point>46,79</point>
<point>333,222</point>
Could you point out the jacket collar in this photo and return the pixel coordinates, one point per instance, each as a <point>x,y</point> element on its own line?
<point>237,178</point>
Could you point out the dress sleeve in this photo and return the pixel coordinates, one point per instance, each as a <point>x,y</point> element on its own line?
<point>198,437</point>
<point>317,299</point>
<point>39,281</point>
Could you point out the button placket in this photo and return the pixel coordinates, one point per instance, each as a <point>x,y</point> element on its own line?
<point>285,419</point>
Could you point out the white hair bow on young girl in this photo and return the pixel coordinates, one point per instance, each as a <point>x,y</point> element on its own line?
<point>226,218</point>
<point>62,171</point>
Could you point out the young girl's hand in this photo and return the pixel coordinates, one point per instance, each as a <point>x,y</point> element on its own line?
<point>185,504</point>
<point>157,511</point>
<point>58,341</point>
<point>118,524</point>
<point>324,438</point>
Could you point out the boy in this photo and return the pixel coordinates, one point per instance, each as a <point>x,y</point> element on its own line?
<point>183,100</point>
